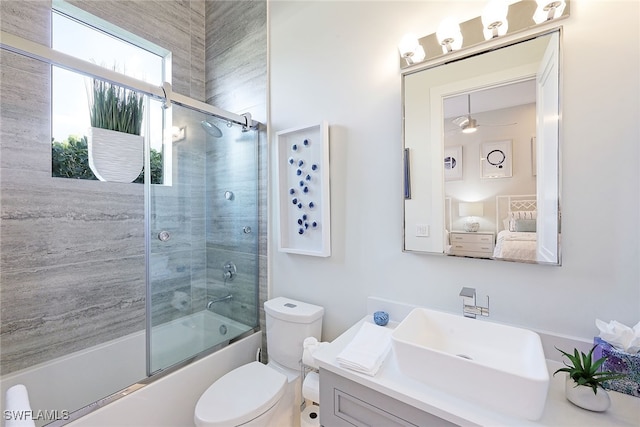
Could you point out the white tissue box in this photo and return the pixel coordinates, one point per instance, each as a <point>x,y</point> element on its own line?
<point>620,362</point>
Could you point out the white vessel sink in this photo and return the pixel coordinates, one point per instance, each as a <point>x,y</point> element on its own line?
<point>498,366</point>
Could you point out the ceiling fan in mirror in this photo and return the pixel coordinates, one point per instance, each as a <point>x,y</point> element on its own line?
<point>468,124</point>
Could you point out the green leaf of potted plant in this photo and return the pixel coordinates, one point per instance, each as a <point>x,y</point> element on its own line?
<point>583,386</point>
<point>115,147</point>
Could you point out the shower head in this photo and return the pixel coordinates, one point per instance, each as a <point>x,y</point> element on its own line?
<point>211,129</point>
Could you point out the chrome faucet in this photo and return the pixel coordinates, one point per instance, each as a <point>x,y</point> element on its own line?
<point>229,297</point>
<point>469,307</point>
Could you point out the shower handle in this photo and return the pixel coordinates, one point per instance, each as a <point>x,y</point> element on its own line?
<point>229,271</point>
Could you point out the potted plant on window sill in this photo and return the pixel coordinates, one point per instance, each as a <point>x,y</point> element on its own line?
<point>583,386</point>
<point>115,147</point>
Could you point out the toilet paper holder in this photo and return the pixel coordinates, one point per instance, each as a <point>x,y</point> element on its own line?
<point>308,365</point>
<point>304,371</point>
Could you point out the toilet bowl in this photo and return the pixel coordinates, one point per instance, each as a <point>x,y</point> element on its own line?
<point>265,395</point>
<point>246,394</point>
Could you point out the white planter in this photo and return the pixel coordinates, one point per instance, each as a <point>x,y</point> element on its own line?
<point>115,156</point>
<point>584,397</point>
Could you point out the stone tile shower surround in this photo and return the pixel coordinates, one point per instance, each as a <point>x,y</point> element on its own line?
<point>72,254</point>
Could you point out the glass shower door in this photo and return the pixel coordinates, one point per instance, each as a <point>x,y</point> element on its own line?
<point>203,281</point>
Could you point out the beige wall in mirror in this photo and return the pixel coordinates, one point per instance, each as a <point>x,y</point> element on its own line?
<point>483,141</point>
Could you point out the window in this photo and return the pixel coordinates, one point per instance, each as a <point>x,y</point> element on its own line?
<point>79,34</point>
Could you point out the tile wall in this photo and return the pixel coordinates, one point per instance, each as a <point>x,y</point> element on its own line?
<point>236,80</point>
<point>72,253</point>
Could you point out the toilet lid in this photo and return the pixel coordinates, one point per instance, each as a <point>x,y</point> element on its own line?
<point>240,396</point>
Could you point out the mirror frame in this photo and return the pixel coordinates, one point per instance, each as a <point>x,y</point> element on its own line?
<point>435,133</point>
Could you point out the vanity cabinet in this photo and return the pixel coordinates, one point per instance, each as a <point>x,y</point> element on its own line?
<point>477,244</point>
<point>344,403</point>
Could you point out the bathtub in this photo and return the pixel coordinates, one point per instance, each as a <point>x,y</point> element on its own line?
<point>179,339</point>
<point>77,380</point>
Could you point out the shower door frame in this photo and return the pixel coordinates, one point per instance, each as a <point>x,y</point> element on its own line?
<point>164,93</point>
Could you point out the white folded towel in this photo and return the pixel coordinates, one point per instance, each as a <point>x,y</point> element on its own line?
<point>310,345</point>
<point>17,411</point>
<point>367,350</point>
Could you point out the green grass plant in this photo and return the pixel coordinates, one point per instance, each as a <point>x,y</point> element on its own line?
<point>115,108</point>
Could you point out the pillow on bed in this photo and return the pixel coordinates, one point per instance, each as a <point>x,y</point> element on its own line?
<point>525,225</point>
<point>514,215</point>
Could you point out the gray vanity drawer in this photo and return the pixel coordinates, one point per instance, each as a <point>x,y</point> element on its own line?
<point>344,403</point>
<point>361,414</point>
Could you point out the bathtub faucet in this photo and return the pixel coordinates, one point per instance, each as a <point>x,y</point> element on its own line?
<point>229,297</point>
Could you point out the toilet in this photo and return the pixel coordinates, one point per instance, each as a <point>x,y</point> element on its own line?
<point>265,395</point>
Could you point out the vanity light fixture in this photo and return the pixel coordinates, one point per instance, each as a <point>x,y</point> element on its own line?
<point>453,36</point>
<point>494,19</point>
<point>449,35</point>
<point>471,211</point>
<point>548,10</point>
<point>411,49</point>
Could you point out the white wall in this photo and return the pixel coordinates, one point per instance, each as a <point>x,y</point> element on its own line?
<point>338,61</point>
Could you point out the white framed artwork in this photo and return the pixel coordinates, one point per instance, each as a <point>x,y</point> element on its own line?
<point>453,163</point>
<point>303,190</point>
<point>496,159</point>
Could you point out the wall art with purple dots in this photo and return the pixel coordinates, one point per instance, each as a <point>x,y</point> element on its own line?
<point>303,190</point>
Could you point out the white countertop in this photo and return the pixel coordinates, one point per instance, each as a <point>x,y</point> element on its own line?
<point>624,410</point>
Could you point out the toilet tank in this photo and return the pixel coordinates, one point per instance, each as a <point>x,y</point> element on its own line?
<point>289,322</point>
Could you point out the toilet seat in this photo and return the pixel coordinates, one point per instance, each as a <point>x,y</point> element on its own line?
<point>240,396</point>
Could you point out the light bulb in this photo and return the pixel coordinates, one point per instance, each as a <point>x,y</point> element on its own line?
<point>449,35</point>
<point>548,9</point>
<point>418,54</point>
<point>494,19</point>
<point>411,49</point>
<point>408,45</point>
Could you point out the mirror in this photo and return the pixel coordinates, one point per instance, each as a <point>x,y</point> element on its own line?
<point>481,140</point>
